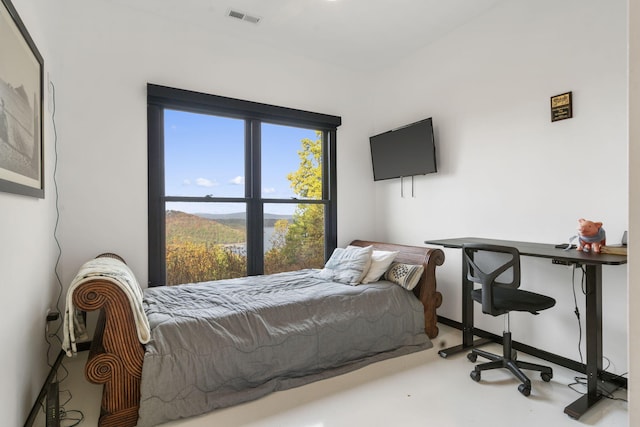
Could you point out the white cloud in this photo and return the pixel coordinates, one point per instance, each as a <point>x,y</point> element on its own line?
<point>238,180</point>
<point>204,182</point>
<point>269,190</point>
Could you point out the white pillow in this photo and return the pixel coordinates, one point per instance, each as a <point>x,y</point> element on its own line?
<point>405,275</point>
<point>380,262</point>
<point>347,265</point>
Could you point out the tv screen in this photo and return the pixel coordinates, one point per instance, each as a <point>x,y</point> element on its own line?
<point>406,151</point>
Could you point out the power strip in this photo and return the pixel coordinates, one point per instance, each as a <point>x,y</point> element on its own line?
<point>53,405</point>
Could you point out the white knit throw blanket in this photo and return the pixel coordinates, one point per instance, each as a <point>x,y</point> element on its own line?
<point>114,271</point>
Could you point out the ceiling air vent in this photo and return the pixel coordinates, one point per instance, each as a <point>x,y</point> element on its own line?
<point>243,16</point>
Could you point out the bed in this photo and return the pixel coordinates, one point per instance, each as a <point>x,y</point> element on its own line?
<point>321,328</point>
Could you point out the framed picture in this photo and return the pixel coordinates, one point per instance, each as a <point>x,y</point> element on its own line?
<point>21,72</point>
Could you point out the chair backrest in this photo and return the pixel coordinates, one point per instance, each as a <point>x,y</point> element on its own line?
<point>480,267</point>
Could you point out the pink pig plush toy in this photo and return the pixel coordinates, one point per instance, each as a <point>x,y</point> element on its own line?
<point>591,236</point>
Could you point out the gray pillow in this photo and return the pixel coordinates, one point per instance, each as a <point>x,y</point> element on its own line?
<point>347,265</point>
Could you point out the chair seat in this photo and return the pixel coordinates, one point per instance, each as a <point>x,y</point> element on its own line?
<point>509,299</point>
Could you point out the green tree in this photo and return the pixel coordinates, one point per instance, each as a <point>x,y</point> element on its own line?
<point>306,182</point>
<point>301,243</point>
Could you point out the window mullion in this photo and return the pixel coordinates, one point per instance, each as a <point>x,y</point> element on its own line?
<point>330,185</point>
<point>155,196</point>
<point>255,210</point>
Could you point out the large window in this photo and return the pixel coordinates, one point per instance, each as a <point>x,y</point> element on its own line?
<point>236,187</point>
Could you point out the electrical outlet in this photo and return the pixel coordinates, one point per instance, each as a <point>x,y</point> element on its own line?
<point>51,316</point>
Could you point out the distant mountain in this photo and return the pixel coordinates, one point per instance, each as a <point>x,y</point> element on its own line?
<point>183,227</point>
<point>241,215</point>
<point>238,220</point>
<point>235,215</point>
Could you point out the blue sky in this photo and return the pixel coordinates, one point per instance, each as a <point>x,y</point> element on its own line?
<point>205,155</point>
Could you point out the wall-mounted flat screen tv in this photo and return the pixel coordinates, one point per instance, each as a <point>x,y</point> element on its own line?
<point>406,151</point>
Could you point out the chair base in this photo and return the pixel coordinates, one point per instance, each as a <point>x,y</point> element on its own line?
<point>508,361</point>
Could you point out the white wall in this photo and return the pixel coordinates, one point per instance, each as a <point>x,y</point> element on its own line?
<point>506,171</point>
<point>107,54</point>
<point>634,211</point>
<point>27,259</point>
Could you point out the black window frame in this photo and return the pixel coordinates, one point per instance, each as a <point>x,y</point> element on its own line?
<point>160,98</point>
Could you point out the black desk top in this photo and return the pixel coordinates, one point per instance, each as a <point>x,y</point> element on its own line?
<point>541,250</point>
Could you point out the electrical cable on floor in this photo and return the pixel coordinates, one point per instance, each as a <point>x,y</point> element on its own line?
<point>583,380</point>
<point>604,392</point>
<point>73,415</point>
<point>609,394</point>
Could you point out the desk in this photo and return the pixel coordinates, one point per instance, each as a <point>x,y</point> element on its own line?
<point>593,264</point>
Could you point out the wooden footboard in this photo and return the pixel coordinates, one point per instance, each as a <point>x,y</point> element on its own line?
<point>116,355</point>
<point>426,290</point>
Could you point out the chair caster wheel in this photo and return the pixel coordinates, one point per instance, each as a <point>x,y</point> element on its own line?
<point>475,375</point>
<point>546,377</point>
<point>524,389</point>
<point>472,357</point>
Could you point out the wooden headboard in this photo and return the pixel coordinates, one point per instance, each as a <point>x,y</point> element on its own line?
<point>426,290</point>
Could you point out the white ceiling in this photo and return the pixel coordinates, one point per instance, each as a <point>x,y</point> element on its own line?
<point>355,34</point>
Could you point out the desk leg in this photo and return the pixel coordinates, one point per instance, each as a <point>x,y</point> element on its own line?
<point>467,319</point>
<point>594,343</point>
<point>467,308</point>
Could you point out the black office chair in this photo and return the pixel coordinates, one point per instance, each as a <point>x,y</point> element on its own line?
<point>500,295</point>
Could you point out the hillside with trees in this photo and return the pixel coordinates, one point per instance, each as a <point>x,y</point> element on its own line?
<point>182,227</point>
<point>201,249</point>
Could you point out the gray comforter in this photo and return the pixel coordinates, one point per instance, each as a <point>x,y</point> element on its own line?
<point>216,344</point>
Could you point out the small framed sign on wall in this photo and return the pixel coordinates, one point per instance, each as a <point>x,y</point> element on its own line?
<point>21,150</point>
<point>561,107</point>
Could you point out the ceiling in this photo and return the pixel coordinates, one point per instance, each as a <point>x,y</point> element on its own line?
<point>354,34</point>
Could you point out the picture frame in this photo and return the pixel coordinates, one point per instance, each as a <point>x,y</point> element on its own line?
<point>21,109</point>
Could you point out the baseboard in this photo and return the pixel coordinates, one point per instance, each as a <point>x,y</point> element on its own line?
<point>545,355</point>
